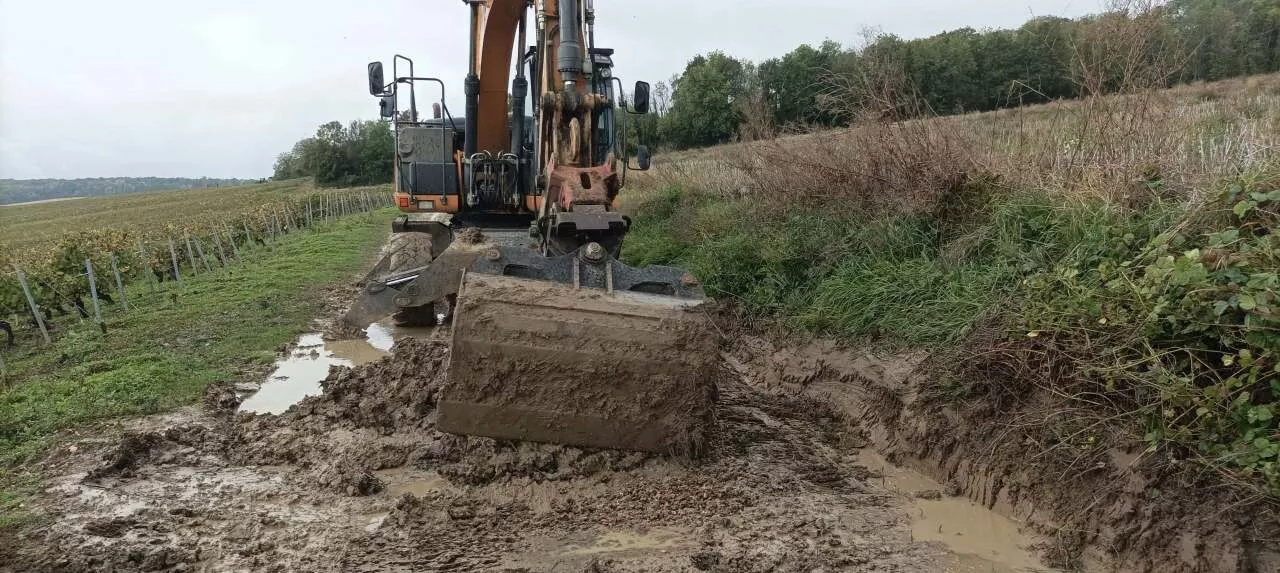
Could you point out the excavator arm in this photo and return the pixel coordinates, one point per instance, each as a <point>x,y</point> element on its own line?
<point>557,340</point>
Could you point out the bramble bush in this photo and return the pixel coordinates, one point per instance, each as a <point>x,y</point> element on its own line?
<point>1179,330</point>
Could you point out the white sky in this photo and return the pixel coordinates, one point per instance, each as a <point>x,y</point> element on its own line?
<point>95,88</point>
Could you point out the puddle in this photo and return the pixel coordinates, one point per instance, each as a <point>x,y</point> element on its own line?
<point>298,375</point>
<point>981,539</point>
<point>295,377</point>
<point>380,336</point>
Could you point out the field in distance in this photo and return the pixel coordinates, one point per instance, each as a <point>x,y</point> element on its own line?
<point>37,223</point>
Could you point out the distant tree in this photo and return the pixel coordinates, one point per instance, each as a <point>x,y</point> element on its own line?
<point>359,153</point>
<point>703,110</point>
<point>791,84</point>
<point>1228,38</point>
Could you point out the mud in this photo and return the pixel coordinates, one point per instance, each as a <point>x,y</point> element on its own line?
<point>1103,508</point>
<point>358,479</point>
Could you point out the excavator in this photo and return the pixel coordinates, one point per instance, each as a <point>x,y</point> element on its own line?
<point>510,232</point>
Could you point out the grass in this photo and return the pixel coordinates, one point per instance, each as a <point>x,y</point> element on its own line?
<point>163,352</point>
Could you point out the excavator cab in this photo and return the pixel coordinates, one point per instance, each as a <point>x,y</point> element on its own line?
<point>510,232</point>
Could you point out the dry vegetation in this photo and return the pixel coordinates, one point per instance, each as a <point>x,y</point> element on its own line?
<point>1188,137</point>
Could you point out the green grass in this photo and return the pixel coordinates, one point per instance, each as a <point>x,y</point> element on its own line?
<point>162,353</point>
<point>1165,307</point>
<point>854,278</point>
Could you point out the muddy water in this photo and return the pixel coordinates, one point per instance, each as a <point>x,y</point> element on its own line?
<point>980,539</point>
<point>298,375</point>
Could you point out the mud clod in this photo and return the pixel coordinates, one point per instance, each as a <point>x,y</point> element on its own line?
<point>345,478</point>
<point>221,398</point>
<point>115,527</point>
<point>133,449</point>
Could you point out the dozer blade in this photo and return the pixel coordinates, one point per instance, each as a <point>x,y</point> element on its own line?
<point>545,361</point>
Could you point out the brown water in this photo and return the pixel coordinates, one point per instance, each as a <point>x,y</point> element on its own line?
<point>298,375</point>
<point>980,539</point>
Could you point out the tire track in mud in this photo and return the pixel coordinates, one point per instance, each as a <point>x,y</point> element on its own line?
<point>357,479</point>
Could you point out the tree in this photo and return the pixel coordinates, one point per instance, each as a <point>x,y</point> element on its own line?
<point>704,98</point>
<point>359,153</point>
<point>791,84</point>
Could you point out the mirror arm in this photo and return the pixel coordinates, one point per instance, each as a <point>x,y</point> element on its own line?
<point>413,100</point>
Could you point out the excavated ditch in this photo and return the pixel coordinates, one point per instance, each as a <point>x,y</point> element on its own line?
<point>358,479</point>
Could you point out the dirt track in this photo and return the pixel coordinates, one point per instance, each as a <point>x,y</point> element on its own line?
<point>358,480</point>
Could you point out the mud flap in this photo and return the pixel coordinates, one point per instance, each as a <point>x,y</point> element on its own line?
<point>548,362</point>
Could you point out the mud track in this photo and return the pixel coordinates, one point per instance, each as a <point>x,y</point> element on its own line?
<point>357,479</point>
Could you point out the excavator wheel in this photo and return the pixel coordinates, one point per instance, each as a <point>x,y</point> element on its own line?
<point>545,361</point>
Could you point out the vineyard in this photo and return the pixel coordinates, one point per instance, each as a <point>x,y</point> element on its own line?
<point>66,259</point>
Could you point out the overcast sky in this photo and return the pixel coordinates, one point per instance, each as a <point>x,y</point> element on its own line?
<point>93,88</point>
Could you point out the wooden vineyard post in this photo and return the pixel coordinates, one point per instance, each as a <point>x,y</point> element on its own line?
<point>142,256</point>
<point>115,269</point>
<point>235,249</point>
<point>248,237</point>
<point>217,242</point>
<point>31,302</point>
<point>191,255</point>
<point>309,224</point>
<point>200,251</point>
<point>93,294</point>
<point>173,256</point>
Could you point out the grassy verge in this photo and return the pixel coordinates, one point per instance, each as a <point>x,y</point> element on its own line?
<point>162,353</point>
<point>1161,316</point>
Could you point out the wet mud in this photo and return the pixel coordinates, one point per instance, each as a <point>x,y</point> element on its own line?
<point>1107,508</point>
<point>358,478</point>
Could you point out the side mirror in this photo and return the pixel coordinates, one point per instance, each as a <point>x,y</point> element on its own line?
<point>643,158</point>
<point>377,87</point>
<point>640,97</point>
<point>387,106</point>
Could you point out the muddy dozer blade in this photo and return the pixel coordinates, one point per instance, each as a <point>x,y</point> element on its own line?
<point>546,362</point>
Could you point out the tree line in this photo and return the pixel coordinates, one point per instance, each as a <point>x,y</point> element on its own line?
<point>359,153</point>
<point>965,70</point>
